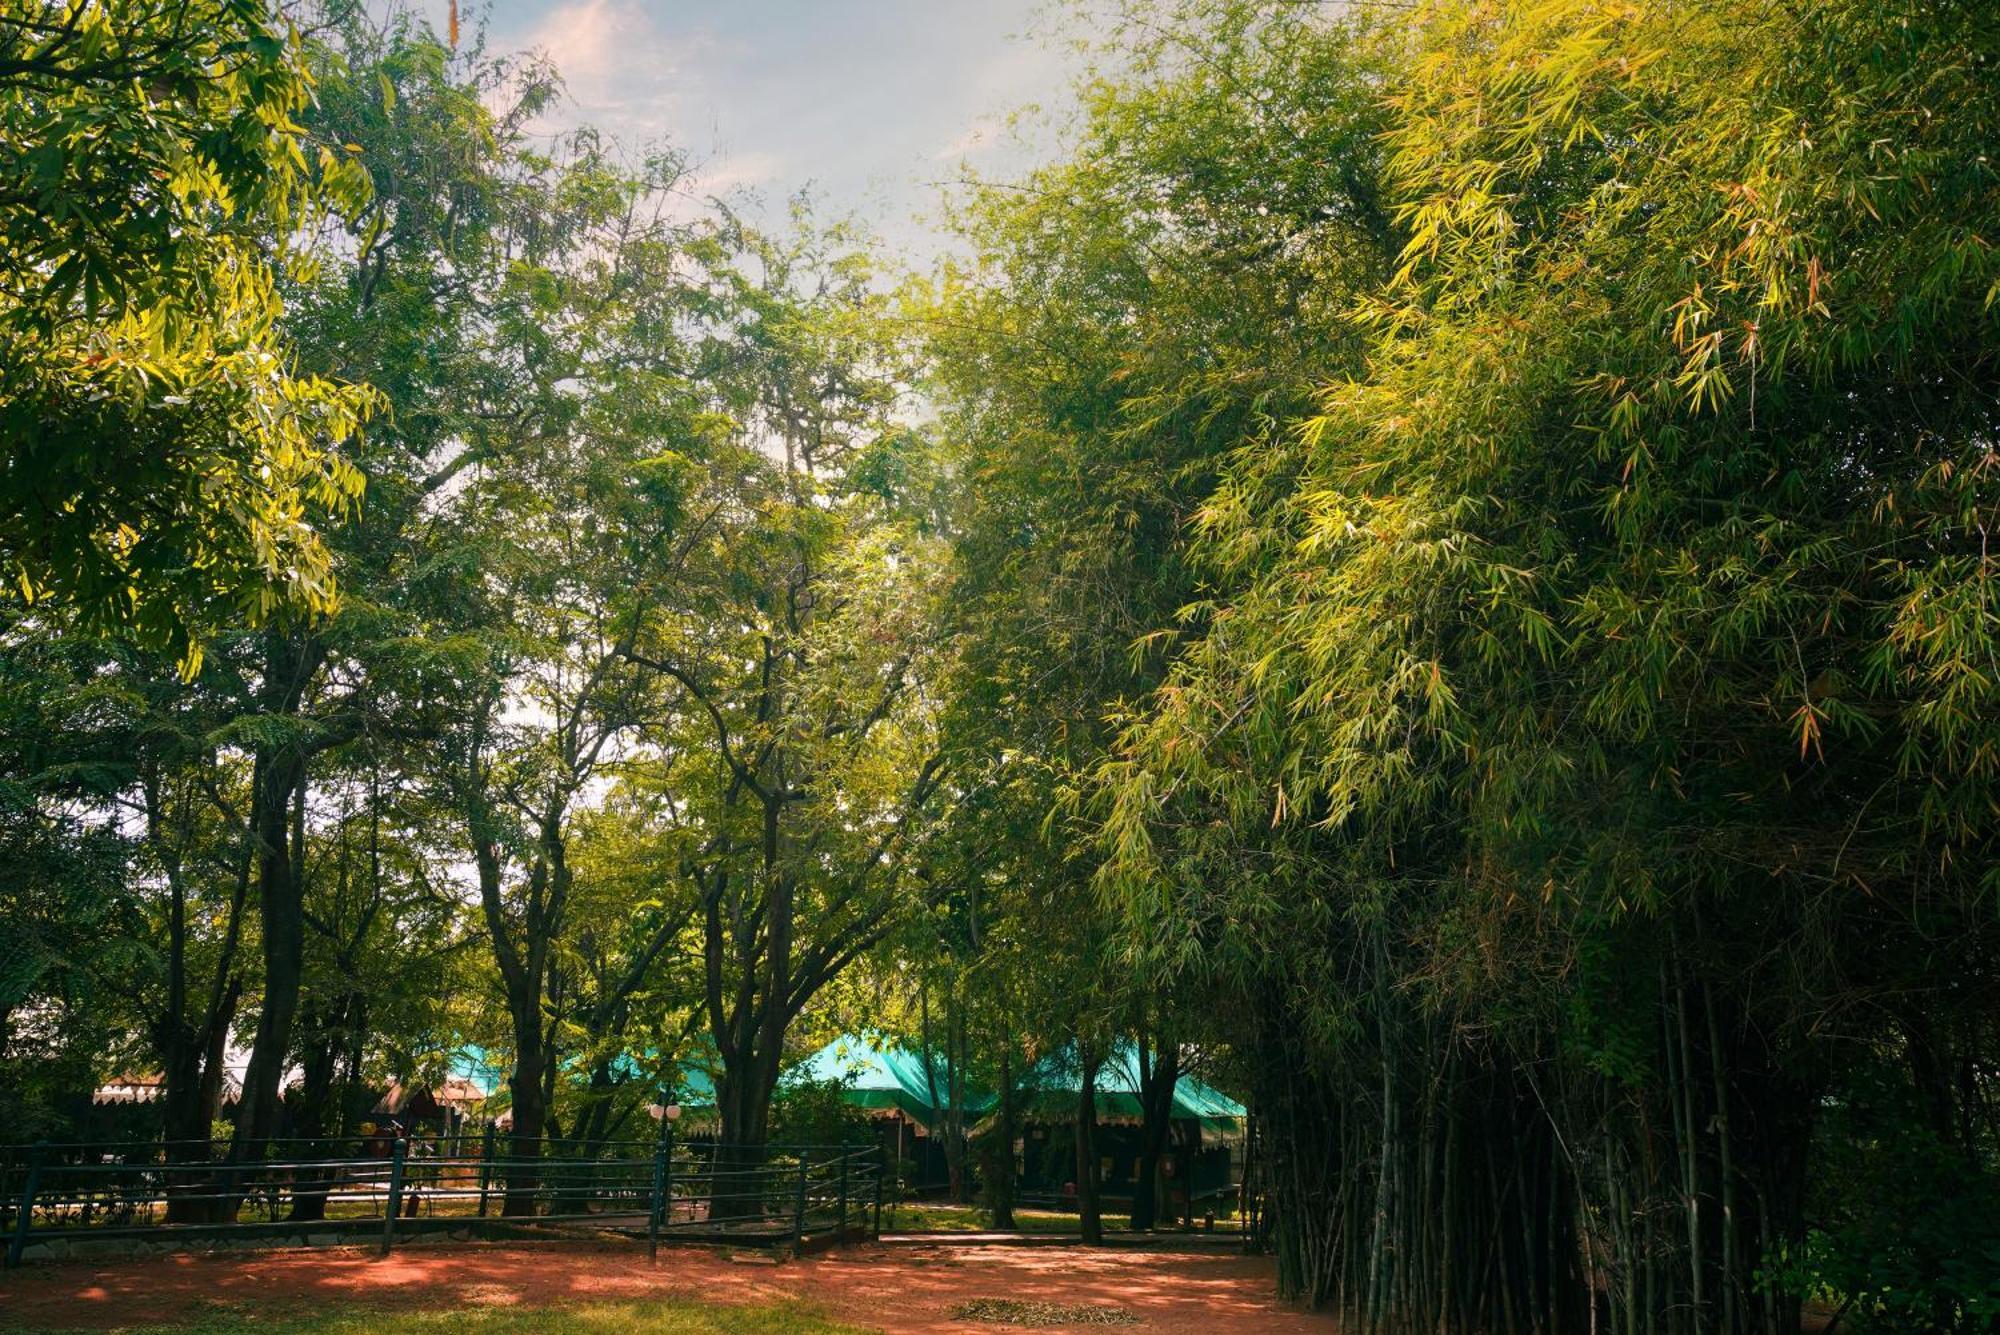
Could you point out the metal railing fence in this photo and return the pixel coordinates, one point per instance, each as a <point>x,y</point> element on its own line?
<point>694,1191</point>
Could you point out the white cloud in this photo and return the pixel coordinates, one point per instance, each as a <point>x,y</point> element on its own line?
<point>863,102</point>
<point>590,40</point>
<point>620,70</point>
<point>980,135</point>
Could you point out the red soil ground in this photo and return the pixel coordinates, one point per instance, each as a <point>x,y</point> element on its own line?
<point>898,1289</point>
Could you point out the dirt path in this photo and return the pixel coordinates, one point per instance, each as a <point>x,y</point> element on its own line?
<point>896,1289</point>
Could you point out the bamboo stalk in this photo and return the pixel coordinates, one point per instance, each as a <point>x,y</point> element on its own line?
<point>1691,1171</point>
<point>1722,1133</point>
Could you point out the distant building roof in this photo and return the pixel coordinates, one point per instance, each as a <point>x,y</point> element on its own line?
<point>151,1086</point>
<point>131,1087</point>
<point>461,1093</point>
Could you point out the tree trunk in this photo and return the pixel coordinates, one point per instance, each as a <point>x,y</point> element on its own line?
<point>1159,1073</point>
<point>1000,1164</point>
<point>318,1098</point>
<point>949,1127</point>
<point>530,1109</point>
<point>278,782</point>
<point>193,1098</point>
<point>743,1107</point>
<point>524,971</point>
<point>591,1127</point>
<point>1089,1215</point>
<point>954,1112</point>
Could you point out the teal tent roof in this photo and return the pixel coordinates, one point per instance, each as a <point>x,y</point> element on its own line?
<point>696,1089</point>
<point>471,1064</point>
<point>884,1076</point>
<point>1057,1079</point>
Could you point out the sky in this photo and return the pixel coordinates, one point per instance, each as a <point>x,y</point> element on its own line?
<point>869,103</point>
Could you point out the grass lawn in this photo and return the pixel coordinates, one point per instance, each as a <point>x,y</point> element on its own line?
<point>935,1217</point>
<point>938,1217</point>
<point>613,1318</point>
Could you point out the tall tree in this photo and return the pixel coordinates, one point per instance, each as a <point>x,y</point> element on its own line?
<point>795,733</point>
<point>584,523</point>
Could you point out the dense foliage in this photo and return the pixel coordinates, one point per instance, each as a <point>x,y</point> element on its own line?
<point>610,753</point>
<point>1550,447</point>
<point>1433,567</point>
<point>1584,734</point>
<point>166,467</point>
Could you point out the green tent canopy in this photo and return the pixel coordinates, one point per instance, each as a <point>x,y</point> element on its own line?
<point>885,1077</point>
<point>696,1088</point>
<point>1055,1082</point>
<point>694,1083</point>
<point>474,1065</point>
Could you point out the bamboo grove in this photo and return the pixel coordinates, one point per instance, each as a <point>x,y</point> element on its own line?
<point>1554,446</point>
<point>1435,564</point>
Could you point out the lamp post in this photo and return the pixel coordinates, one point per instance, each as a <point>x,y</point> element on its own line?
<point>663,1172</point>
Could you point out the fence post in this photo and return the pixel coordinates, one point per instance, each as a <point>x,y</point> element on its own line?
<point>395,1203</point>
<point>25,1218</point>
<point>881,1171</point>
<point>485,1166</point>
<point>799,1218</point>
<point>840,1230</point>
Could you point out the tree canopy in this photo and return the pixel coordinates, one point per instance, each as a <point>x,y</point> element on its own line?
<point>1431,568</point>
<point>168,469</point>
